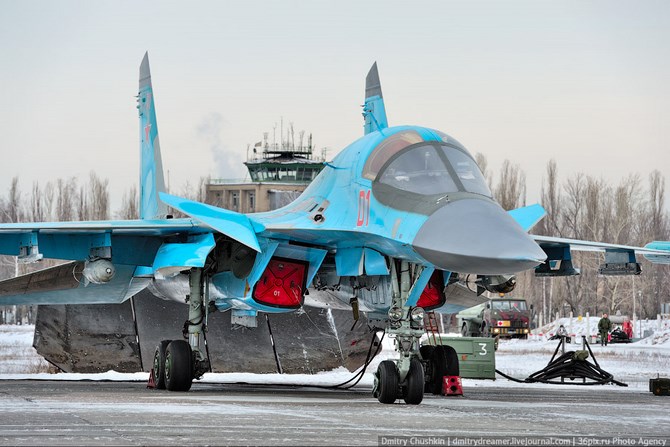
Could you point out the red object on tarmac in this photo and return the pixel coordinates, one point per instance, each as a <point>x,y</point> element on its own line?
<point>152,380</point>
<point>452,386</point>
<point>628,328</point>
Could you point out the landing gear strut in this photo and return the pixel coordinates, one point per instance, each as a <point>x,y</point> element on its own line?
<point>404,378</point>
<point>178,362</point>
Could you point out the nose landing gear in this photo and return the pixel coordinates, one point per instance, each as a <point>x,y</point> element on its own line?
<point>405,377</point>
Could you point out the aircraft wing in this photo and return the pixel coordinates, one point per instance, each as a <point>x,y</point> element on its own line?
<point>619,259</point>
<point>581,245</point>
<point>137,249</point>
<point>132,241</point>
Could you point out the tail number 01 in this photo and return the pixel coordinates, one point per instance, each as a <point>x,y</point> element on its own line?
<point>363,208</point>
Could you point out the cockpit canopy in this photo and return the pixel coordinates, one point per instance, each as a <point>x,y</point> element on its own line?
<point>408,167</point>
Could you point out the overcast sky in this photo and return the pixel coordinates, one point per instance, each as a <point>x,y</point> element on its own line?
<point>583,82</point>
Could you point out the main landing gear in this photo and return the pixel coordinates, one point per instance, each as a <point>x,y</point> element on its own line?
<point>416,370</point>
<point>178,362</point>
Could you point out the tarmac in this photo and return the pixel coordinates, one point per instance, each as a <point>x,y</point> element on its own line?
<point>127,413</point>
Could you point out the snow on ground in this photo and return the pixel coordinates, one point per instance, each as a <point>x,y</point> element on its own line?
<point>17,354</point>
<point>633,363</point>
<point>579,326</point>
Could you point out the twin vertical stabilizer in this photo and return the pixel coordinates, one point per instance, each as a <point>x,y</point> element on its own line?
<point>374,111</point>
<point>151,166</point>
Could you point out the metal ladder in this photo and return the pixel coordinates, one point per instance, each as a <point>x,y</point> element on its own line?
<point>432,329</point>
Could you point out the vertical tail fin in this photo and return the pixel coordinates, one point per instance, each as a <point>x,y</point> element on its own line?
<point>151,166</point>
<point>374,111</point>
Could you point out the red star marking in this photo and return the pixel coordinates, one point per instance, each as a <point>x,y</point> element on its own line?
<point>147,129</point>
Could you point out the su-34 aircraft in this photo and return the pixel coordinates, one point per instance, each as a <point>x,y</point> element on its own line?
<point>391,223</point>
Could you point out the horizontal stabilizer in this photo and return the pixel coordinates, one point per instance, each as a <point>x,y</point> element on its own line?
<point>234,225</point>
<point>528,216</point>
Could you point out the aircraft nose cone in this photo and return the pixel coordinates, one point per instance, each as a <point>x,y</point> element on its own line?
<point>476,236</point>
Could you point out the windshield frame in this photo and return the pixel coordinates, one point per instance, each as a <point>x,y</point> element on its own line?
<point>424,203</point>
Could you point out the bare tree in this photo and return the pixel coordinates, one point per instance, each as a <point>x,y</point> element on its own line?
<point>66,199</point>
<point>511,189</point>
<point>14,207</point>
<point>551,199</point>
<point>83,209</point>
<point>483,164</point>
<point>48,200</point>
<point>38,212</point>
<point>655,290</point>
<point>98,198</point>
<point>129,209</point>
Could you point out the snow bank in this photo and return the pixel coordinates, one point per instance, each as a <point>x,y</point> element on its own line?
<point>633,363</point>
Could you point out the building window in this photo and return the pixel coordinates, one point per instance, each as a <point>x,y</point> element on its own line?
<point>252,201</point>
<point>234,200</point>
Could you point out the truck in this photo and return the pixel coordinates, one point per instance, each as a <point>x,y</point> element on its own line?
<point>498,317</point>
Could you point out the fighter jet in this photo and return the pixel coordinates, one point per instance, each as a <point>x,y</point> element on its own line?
<point>389,225</point>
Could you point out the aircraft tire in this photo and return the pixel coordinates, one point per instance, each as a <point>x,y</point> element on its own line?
<point>426,351</point>
<point>178,366</point>
<point>426,354</point>
<point>413,391</point>
<point>387,382</point>
<point>159,364</point>
<point>444,363</point>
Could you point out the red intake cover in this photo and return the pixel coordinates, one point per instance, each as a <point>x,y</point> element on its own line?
<point>433,295</point>
<point>282,284</point>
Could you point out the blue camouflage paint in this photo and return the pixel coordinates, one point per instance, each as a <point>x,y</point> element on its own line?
<point>232,224</point>
<point>173,257</point>
<point>337,213</point>
<point>151,166</point>
<point>658,258</point>
<point>419,286</point>
<point>528,216</point>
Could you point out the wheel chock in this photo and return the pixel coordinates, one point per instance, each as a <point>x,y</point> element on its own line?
<point>152,380</point>
<point>452,386</point>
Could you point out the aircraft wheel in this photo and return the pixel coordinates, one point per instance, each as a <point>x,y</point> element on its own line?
<point>426,354</point>
<point>178,366</point>
<point>413,391</point>
<point>159,364</point>
<point>444,363</point>
<point>386,382</point>
<point>426,351</point>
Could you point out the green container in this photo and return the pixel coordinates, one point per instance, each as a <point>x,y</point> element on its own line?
<point>660,386</point>
<point>476,355</point>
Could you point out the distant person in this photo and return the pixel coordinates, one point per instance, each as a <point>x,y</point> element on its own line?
<point>604,326</point>
<point>628,328</point>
